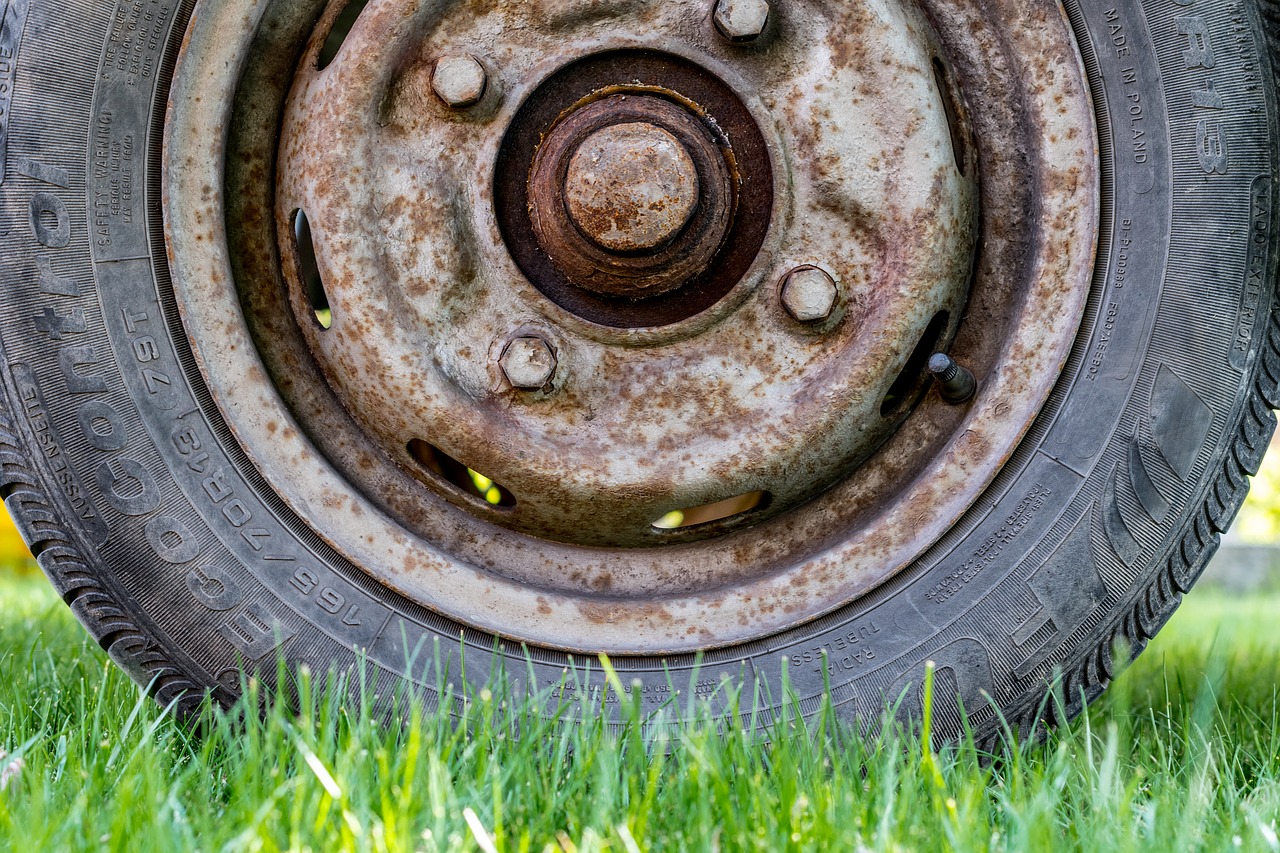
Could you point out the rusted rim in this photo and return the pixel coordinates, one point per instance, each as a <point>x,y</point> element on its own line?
<point>852,476</point>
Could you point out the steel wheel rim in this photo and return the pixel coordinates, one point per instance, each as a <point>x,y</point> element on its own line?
<point>828,558</point>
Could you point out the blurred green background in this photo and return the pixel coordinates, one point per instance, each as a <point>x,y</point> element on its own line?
<point>1259,520</point>
<point>14,556</point>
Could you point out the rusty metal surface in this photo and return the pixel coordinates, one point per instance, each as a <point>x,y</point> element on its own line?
<point>728,401</point>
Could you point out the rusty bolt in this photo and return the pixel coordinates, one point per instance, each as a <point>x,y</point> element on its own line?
<point>809,294</point>
<point>741,20</point>
<point>529,363</point>
<point>459,80</point>
<point>957,384</point>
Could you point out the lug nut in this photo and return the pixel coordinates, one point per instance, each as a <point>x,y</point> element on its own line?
<point>459,80</point>
<point>529,363</point>
<point>956,383</point>
<point>741,20</point>
<point>809,294</point>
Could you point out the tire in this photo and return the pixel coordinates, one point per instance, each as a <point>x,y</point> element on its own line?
<point>163,529</point>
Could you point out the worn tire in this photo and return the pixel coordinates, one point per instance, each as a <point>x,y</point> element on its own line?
<point>1107,515</point>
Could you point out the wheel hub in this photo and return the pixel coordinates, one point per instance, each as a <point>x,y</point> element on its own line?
<point>559,226</point>
<point>630,196</point>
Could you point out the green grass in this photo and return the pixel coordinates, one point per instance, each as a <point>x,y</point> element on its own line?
<point>1183,753</point>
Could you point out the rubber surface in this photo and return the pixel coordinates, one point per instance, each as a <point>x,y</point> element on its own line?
<point>155,529</point>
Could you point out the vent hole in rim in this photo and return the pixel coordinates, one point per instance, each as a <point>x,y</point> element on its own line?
<point>683,519</point>
<point>338,35</point>
<point>467,480</point>
<point>959,147</point>
<point>912,375</point>
<point>309,270</point>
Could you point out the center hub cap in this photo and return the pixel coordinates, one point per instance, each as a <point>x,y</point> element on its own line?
<point>631,187</point>
<point>631,196</point>
<point>619,185</point>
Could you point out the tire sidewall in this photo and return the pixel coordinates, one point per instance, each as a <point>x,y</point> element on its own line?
<point>1107,513</point>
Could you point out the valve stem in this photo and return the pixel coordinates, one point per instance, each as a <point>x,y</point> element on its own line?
<point>957,384</point>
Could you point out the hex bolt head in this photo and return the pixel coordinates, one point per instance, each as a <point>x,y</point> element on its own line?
<point>459,80</point>
<point>741,20</point>
<point>957,384</point>
<point>529,363</point>
<point>809,294</point>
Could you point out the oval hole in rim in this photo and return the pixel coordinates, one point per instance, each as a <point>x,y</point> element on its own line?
<point>912,375</point>
<point>338,34</point>
<point>309,270</point>
<point>683,519</point>
<point>467,480</point>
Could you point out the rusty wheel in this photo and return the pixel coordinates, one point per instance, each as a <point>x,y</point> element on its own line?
<point>727,338</point>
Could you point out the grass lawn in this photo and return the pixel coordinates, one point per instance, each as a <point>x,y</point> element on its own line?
<point>1183,753</point>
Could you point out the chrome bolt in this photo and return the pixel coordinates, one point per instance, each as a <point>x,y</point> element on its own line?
<point>956,383</point>
<point>809,294</point>
<point>529,363</point>
<point>741,20</point>
<point>459,80</point>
